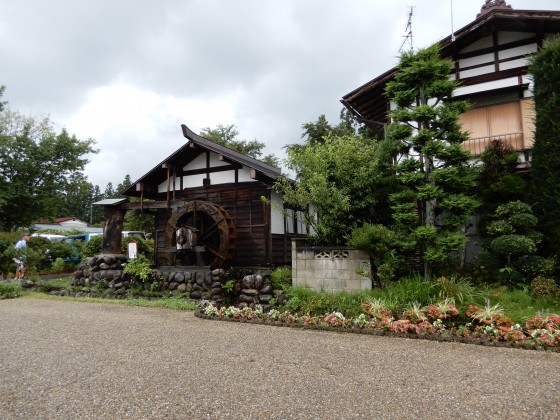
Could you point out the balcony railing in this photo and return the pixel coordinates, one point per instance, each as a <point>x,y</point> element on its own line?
<point>479,144</point>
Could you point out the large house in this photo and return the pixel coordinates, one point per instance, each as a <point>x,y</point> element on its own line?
<point>491,55</point>
<point>213,207</point>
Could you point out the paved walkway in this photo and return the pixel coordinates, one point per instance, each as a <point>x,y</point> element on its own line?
<point>74,360</point>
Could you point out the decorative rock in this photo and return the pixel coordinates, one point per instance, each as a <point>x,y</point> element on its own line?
<point>266,290</point>
<point>104,266</point>
<point>259,281</point>
<point>173,285</point>
<point>196,294</point>
<point>218,272</point>
<point>250,292</point>
<point>216,291</point>
<point>282,299</point>
<point>199,277</point>
<point>265,298</point>
<point>27,284</point>
<point>248,282</point>
<point>182,288</point>
<point>245,298</point>
<point>179,277</point>
<point>216,284</point>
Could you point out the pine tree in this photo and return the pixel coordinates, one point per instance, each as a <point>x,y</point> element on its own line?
<point>425,137</point>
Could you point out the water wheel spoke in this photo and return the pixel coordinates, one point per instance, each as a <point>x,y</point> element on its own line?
<point>208,231</point>
<point>213,251</point>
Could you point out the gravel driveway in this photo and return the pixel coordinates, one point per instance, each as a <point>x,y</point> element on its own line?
<point>63,359</point>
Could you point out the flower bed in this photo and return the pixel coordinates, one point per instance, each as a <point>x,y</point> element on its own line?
<point>488,326</point>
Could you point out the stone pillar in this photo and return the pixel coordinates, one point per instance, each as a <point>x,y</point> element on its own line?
<point>112,230</point>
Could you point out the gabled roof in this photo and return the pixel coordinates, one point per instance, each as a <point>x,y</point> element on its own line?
<point>195,146</point>
<point>368,101</point>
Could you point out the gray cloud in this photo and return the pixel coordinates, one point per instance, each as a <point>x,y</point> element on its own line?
<point>267,66</point>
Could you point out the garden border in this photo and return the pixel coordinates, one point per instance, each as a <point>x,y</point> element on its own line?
<point>368,331</point>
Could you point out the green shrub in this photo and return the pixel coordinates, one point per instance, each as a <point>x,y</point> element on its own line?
<point>534,266</point>
<point>281,278</point>
<point>457,288</point>
<point>306,301</point>
<point>543,286</point>
<point>58,265</point>
<point>59,250</point>
<point>9,290</point>
<point>139,269</point>
<point>92,247</point>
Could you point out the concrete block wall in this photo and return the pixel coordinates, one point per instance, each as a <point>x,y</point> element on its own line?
<point>329,269</point>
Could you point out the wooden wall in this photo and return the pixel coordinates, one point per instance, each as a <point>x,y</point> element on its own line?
<point>251,216</point>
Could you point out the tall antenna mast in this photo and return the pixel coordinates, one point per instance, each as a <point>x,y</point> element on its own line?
<point>408,30</point>
<point>452,30</point>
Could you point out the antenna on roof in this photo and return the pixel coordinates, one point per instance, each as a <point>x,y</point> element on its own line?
<point>452,30</point>
<point>408,30</point>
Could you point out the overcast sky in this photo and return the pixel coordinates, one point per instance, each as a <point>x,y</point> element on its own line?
<point>128,73</point>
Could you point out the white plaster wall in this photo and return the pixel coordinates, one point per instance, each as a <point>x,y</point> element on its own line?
<point>245,175</point>
<point>517,51</point>
<point>476,72</point>
<point>513,64</point>
<point>276,214</point>
<point>475,61</point>
<point>200,162</point>
<point>507,36</point>
<point>480,44</point>
<point>481,87</point>
<point>225,177</point>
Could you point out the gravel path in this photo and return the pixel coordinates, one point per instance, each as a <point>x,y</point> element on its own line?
<point>63,359</point>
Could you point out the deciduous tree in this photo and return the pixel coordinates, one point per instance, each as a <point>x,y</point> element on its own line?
<point>35,165</point>
<point>226,135</point>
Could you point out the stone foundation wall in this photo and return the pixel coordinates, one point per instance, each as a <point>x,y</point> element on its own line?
<point>105,273</point>
<point>330,269</point>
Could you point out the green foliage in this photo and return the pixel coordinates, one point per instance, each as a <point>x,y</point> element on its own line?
<point>339,180</point>
<point>498,180</point>
<point>545,163</point>
<point>534,265</point>
<point>427,124</point>
<point>139,269</point>
<point>511,243</point>
<point>58,250</point>
<point>227,136</point>
<point>145,246</point>
<point>35,165</point>
<point>281,278</point>
<point>545,286</point>
<point>10,290</point>
<point>58,264</point>
<point>305,301</point>
<point>383,245</point>
<point>92,247</point>
<point>458,289</point>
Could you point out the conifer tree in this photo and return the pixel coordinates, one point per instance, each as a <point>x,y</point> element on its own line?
<point>425,137</point>
<point>545,166</point>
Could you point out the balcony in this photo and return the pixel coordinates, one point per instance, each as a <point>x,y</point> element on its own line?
<point>477,145</point>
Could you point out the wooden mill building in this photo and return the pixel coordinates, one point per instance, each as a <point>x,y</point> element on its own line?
<point>213,206</point>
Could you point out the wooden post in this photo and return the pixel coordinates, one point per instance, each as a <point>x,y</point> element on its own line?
<point>112,230</point>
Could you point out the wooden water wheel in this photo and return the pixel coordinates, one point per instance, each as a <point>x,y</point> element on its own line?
<point>214,232</point>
